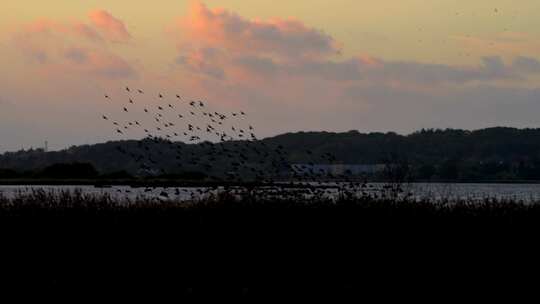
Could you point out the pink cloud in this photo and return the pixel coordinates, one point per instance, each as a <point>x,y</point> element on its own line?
<point>206,61</point>
<point>219,45</point>
<point>43,26</point>
<point>283,38</point>
<point>113,28</point>
<point>98,63</point>
<point>76,46</point>
<point>52,28</point>
<point>86,31</point>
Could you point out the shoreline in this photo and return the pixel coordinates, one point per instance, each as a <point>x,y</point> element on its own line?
<point>190,183</point>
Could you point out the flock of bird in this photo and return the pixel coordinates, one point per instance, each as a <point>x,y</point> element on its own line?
<point>204,140</point>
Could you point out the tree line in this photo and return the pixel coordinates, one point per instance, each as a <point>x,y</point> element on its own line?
<point>430,154</point>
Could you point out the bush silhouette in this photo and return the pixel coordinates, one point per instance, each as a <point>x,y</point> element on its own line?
<point>72,170</point>
<point>117,175</point>
<point>8,173</point>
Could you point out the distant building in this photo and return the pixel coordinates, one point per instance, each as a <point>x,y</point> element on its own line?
<point>338,169</point>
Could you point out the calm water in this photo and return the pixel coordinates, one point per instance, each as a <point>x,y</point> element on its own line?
<point>525,192</point>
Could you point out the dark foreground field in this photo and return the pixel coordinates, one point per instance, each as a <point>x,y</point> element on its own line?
<point>258,249</point>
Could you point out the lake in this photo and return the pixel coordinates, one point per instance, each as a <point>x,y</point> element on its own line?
<point>434,191</point>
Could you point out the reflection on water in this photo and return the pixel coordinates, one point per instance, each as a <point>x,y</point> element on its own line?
<point>452,191</point>
<point>433,191</point>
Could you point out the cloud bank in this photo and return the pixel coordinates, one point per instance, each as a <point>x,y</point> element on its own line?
<point>281,38</point>
<point>76,47</point>
<point>112,28</point>
<point>295,74</point>
<point>223,45</point>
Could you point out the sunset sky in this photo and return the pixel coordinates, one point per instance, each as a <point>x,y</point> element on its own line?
<point>334,65</point>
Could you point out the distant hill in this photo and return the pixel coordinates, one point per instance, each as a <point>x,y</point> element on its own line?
<point>487,154</point>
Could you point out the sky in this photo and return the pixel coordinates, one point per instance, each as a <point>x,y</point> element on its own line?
<point>303,65</point>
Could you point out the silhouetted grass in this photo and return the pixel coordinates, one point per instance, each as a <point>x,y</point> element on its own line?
<point>252,246</point>
<point>59,202</point>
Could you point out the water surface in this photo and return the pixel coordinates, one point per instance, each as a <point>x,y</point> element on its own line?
<point>434,191</point>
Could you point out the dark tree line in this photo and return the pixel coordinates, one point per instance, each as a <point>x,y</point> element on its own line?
<point>487,154</point>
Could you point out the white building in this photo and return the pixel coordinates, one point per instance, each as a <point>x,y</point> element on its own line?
<point>338,169</point>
